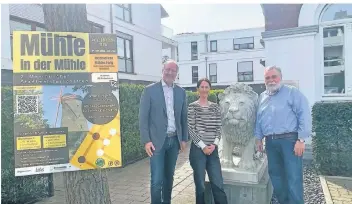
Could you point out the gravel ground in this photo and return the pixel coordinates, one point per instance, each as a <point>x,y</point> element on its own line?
<point>313,193</point>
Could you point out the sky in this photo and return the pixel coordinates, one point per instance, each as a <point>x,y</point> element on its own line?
<point>212,17</point>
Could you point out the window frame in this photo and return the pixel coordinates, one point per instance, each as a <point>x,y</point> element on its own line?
<point>329,25</point>
<point>239,45</point>
<point>244,73</point>
<point>96,25</point>
<point>194,56</point>
<point>347,95</point>
<point>211,48</point>
<point>124,17</point>
<point>216,71</point>
<point>126,37</point>
<point>325,10</point>
<point>195,79</point>
<point>33,25</point>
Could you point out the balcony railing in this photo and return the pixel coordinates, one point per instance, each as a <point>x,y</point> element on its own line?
<point>166,31</point>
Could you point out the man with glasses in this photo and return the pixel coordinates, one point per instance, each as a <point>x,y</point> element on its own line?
<point>163,130</point>
<point>284,120</point>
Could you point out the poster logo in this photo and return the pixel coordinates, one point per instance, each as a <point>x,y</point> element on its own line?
<point>39,169</point>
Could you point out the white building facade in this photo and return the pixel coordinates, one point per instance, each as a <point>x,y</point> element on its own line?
<point>223,57</point>
<point>317,53</point>
<point>141,38</point>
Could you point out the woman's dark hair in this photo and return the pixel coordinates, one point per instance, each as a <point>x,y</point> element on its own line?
<point>201,80</point>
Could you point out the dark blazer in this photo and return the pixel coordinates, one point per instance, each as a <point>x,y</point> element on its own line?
<point>153,117</point>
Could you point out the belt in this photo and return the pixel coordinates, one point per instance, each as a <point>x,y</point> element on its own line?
<point>171,134</point>
<point>282,135</point>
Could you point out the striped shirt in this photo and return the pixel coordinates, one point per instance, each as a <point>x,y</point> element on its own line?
<point>204,124</point>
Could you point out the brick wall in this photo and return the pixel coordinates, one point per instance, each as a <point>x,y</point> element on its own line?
<point>280,16</point>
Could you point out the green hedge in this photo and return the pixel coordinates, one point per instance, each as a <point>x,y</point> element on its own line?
<point>193,96</point>
<point>332,124</point>
<point>132,149</point>
<point>15,189</point>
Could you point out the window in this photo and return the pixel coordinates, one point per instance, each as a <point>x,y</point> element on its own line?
<point>213,73</point>
<point>23,25</point>
<point>243,43</point>
<point>194,51</point>
<point>337,12</point>
<point>245,71</point>
<point>194,74</point>
<point>213,46</point>
<point>123,12</point>
<point>125,52</point>
<point>336,34</point>
<point>334,68</point>
<point>95,28</point>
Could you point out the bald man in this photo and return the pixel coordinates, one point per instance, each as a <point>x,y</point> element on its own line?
<point>163,130</point>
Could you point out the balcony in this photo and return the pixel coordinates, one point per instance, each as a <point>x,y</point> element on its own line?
<point>167,35</point>
<point>166,31</point>
<point>333,41</point>
<point>333,36</point>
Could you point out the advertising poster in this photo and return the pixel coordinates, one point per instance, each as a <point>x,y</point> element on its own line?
<point>66,102</point>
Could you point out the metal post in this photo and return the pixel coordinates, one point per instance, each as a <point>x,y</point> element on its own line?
<point>51,185</point>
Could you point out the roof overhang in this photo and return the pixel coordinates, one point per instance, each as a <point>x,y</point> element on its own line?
<point>164,14</point>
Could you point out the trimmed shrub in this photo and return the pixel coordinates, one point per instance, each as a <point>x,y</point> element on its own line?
<point>16,189</point>
<point>332,124</point>
<point>193,96</point>
<point>132,150</point>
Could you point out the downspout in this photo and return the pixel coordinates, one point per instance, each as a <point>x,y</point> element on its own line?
<point>206,58</point>
<point>111,20</point>
<point>206,67</point>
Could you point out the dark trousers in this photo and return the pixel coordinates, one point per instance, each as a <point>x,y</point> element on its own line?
<point>210,163</point>
<point>285,170</point>
<point>162,168</point>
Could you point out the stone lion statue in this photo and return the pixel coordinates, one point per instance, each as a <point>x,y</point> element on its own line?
<point>238,106</point>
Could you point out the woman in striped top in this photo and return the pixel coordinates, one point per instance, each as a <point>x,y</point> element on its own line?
<point>204,126</point>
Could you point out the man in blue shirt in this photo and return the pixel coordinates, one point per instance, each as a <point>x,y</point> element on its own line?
<point>284,120</point>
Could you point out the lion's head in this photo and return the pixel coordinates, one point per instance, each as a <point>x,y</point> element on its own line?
<point>238,105</point>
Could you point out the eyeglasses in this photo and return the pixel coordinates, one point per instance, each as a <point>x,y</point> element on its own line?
<point>272,77</point>
<point>170,71</point>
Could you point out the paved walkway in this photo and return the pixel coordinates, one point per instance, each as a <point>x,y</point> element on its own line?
<point>337,190</point>
<point>130,185</point>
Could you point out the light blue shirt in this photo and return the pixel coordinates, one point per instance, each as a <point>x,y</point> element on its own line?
<point>283,112</point>
<point>169,102</point>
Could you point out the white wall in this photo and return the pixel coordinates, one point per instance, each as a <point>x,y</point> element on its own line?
<point>184,45</point>
<point>296,56</point>
<point>226,58</point>
<point>147,44</point>
<point>6,62</point>
<point>147,41</point>
<point>100,14</point>
<point>147,16</point>
<point>310,14</point>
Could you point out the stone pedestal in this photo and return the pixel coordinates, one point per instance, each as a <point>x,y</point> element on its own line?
<point>244,193</point>
<point>244,187</point>
<point>251,177</point>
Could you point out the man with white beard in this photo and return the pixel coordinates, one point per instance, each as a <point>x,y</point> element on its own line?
<point>284,120</point>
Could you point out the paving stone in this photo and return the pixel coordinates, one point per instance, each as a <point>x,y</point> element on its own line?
<point>339,189</point>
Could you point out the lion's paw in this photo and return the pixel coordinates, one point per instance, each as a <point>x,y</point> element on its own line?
<point>225,163</point>
<point>248,165</point>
